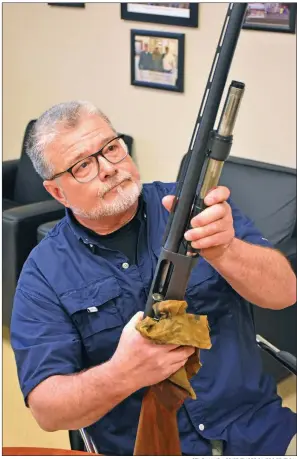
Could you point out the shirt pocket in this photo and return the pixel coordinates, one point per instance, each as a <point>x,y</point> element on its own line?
<point>94,311</point>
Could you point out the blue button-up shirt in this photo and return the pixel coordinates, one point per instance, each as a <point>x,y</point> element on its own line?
<point>54,331</point>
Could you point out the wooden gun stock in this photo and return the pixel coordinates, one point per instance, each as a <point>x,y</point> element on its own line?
<point>157,433</point>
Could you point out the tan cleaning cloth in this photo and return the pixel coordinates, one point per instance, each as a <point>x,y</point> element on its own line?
<point>157,433</point>
<point>177,327</point>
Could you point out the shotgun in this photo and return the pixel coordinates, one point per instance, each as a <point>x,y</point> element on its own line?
<point>201,170</point>
<point>157,432</point>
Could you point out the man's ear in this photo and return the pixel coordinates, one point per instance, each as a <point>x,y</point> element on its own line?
<point>56,191</point>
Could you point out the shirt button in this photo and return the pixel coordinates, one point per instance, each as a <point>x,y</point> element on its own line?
<point>91,246</point>
<point>125,265</point>
<point>201,427</point>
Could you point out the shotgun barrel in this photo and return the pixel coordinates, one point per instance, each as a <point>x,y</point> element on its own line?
<point>204,155</point>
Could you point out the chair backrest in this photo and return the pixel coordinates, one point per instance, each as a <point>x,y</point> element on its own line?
<point>266,193</point>
<point>29,185</point>
<point>129,142</point>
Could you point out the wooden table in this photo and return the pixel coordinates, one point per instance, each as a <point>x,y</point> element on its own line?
<point>32,451</point>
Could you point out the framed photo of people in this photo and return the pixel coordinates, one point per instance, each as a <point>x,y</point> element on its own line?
<point>272,17</point>
<point>157,60</point>
<point>178,14</point>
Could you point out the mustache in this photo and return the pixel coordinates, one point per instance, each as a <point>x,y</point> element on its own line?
<point>112,183</point>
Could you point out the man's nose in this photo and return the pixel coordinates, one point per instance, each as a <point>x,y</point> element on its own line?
<point>106,169</point>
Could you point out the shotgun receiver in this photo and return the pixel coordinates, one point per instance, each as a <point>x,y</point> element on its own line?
<point>202,167</point>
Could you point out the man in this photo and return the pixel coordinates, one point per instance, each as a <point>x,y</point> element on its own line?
<point>169,61</point>
<point>80,360</point>
<point>157,64</point>
<point>145,59</point>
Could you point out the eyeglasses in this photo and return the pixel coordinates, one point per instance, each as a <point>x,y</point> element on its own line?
<point>87,169</point>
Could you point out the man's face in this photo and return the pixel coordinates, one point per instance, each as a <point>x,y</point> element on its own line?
<point>112,192</point>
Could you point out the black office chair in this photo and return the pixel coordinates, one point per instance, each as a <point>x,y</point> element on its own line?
<point>80,440</point>
<point>26,205</point>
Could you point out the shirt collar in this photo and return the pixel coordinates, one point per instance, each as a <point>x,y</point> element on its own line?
<point>86,236</point>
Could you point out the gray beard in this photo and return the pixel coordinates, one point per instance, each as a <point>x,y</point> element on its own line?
<point>122,202</point>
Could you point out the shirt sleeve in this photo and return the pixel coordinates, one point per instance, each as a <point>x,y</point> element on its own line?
<point>245,228</point>
<point>43,337</point>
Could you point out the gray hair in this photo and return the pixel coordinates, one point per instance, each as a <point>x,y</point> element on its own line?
<point>45,130</point>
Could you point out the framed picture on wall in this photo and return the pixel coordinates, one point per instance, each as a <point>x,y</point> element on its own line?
<point>273,17</point>
<point>157,60</point>
<point>67,4</point>
<point>178,14</point>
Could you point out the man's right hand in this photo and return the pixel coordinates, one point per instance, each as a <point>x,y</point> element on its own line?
<point>142,361</point>
<point>72,401</point>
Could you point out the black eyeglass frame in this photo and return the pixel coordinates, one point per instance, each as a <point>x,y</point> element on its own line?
<point>95,155</point>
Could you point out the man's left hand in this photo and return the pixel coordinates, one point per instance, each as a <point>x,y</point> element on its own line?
<point>212,230</point>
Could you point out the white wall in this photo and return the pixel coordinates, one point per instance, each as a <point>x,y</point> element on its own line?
<point>55,54</point>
